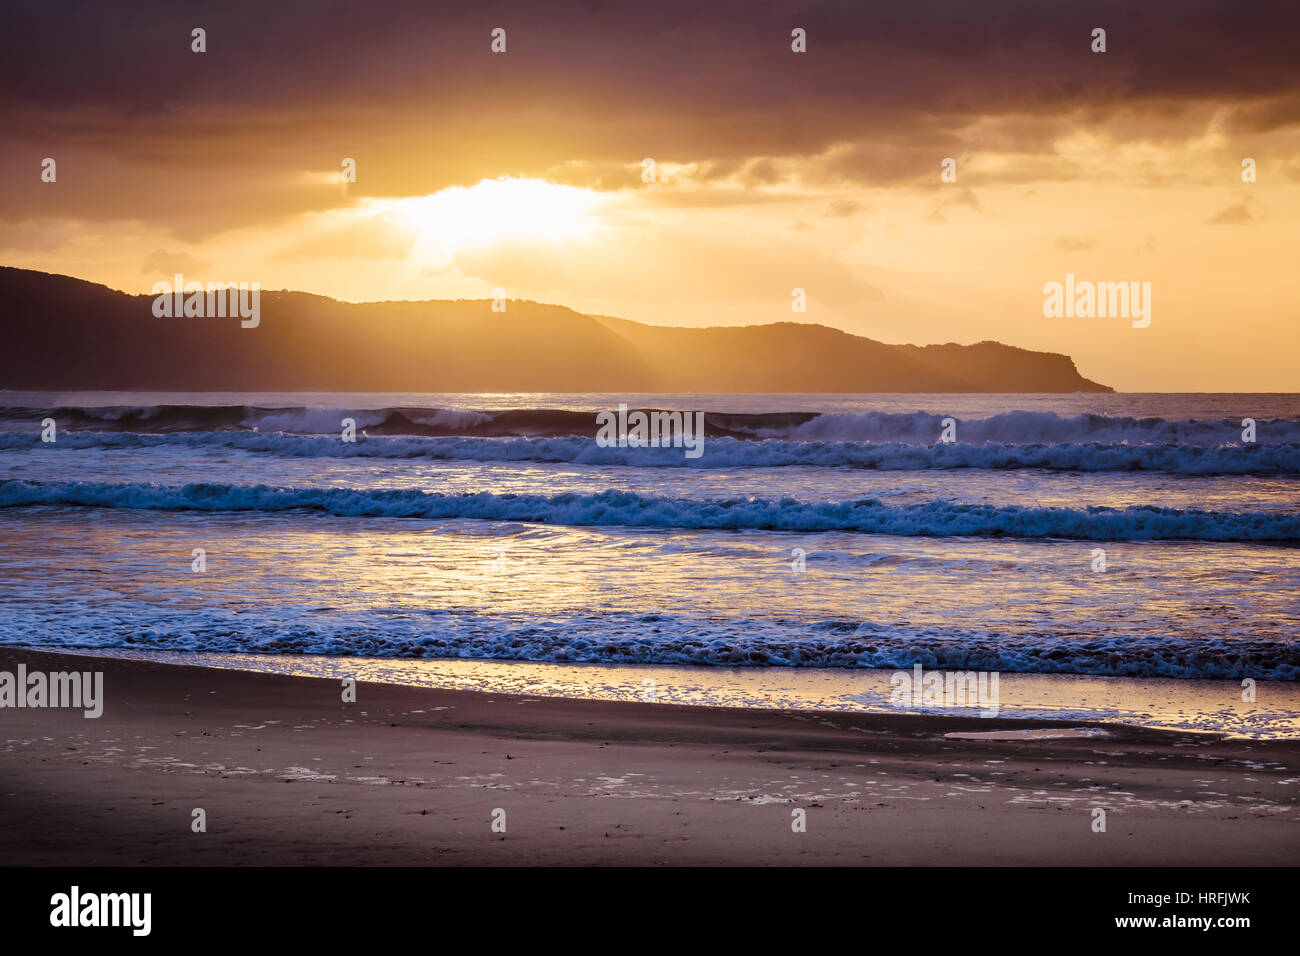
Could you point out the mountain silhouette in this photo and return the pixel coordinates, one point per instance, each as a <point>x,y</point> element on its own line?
<point>66,333</point>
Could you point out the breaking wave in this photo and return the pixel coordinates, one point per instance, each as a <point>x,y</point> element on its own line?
<point>620,508</point>
<point>619,637</point>
<point>718,452</point>
<point>923,428</point>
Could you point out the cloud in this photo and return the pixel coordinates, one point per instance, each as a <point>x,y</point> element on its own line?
<point>1234,215</point>
<point>839,208</point>
<point>884,92</point>
<point>953,198</point>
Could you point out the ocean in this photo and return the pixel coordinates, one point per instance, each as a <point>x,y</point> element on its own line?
<point>1061,541</point>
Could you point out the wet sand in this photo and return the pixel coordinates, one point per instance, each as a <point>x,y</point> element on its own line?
<point>288,774</point>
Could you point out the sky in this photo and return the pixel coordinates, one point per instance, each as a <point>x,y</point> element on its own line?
<point>773,170</point>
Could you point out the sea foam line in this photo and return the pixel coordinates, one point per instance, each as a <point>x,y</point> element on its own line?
<point>1180,459</point>
<point>621,508</point>
<point>293,627</point>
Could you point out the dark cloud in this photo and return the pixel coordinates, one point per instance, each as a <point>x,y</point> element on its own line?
<point>199,141</point>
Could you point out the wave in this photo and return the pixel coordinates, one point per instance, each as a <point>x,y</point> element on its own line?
<point>1021,427</point>
<point>620,508</point>
<point>1176,459</point>
<point>914,428</point>
<point>622,637</point>
<point>399,420</point>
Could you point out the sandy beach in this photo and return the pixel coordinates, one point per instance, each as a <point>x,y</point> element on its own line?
<point>288,774</point>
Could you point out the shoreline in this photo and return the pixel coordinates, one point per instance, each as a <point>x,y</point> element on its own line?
<point>1156,703</point>
<point>288,774</point>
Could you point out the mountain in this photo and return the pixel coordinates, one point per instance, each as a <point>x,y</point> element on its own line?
<point>66,333</point>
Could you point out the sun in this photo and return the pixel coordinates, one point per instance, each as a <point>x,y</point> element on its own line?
<point>493,211</point>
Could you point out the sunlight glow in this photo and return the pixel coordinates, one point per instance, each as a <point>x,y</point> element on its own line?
<point>493,211</point>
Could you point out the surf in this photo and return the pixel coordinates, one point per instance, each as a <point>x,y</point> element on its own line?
<point>620,508</point>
